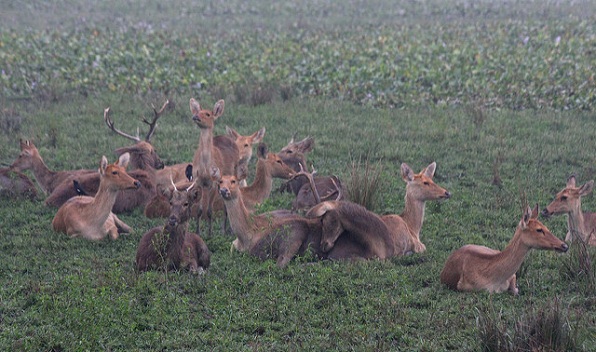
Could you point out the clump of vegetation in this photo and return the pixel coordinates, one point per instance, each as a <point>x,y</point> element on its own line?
<point>364,183</point>
<point>579,266</point>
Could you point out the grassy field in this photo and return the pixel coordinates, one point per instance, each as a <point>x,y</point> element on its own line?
<point>61,294</point>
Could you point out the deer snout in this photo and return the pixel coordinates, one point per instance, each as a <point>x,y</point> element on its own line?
<point>196,118</point>
<point>172,220</point>
<point>137,184</point>
<point>326,246</point>
<point>225,193</point>
<point>545,213</point>
<point>447,195</point>
<point>563,248</point>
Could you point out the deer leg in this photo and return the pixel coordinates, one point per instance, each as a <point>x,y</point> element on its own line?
<point>513,285</point>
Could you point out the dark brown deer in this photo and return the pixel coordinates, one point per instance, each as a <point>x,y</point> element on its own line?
<point>48,180</point>
<point>294,155</point>
<point>173,246</point>
<point>568,201</point>
<point>475,268</point>
<point>328,188</point>
<point>91,217</point>
<point>208,155</point>
<point>16,185</point>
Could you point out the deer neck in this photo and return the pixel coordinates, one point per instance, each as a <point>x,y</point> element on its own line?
<point>413,214</point>
<point>101,206</point>
<point>202,160</point>
<point>260,188</point>
<point>576,222</point>
<point>241,223</point>
<point>43,175</point>
<point>175,243</point>
<point>506,263</point>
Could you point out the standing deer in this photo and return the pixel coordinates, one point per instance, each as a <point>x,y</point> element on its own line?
<point>91,217</point>
<point>48,180</point>
<point>475,268</point>
<point>14,184</point>
<point>568,201</point>
<point>172,246</point>
<point>208,155</point>
<point>404,229</point>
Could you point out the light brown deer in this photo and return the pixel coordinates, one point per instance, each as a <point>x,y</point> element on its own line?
<point>172,246</point>
<point>208,155</point>
<point>48,180</point>
<point>14,184</point>
<point>266,236</point>
<point>568,201</point>
<point>294,155</point>
<point>347,241</point>
<point>244,144</point>
<point>91,217</point>
<point>476,268</point>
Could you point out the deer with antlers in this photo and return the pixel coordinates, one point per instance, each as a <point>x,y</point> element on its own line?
<point>143,159</point>
<point>475,268</point>
<point>172,246</point>
<point>92,217</point>
<point>580,224</point>
<point>48,180</point>
<point>294,155</point>
<point>399,235</point>
<point>208,155</point>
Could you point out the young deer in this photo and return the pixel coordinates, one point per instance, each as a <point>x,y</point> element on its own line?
<point>568,201</point>
<point>172,246</point>
<point>208,155</point>
<point>267,236</point>
<point>91,217</point>
<point>48,180</point>
<point>14,184</point>
<point>475,268</point>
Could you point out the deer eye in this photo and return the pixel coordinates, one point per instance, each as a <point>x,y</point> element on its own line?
<point>563,197</point>
<point>233,182</point>
<point>279,162</point>
<point>426,183</point>
<point>246,145</point>
<point>186,204</point>
<point>114,172</point>
<point>539,230</point>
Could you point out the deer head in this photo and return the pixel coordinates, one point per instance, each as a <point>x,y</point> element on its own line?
<point>114,175</point>
<point>206,118</point>
<point>421,186</point>
<point>569,198</point>
<point>245,143</point>
<point>26,157</point>
<point>535,235</point>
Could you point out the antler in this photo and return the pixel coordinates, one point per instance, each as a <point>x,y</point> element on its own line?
<point>311,180</point>
<point>156,116</point>
<point>152,124</point>
<point>337,190</point>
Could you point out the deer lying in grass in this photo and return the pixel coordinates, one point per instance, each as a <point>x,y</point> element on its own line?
<point>172,246</point>
<point>48,180</point>
<point>208,155</point>
<point>143,160</point>
<point>475,268</point>
<point>328,188</point>
<point>266,236</point>
<point>91,217</point>
<point>404,229</point>
<point>294,155</point>
<point>568,201</point>
<point>14,184</point>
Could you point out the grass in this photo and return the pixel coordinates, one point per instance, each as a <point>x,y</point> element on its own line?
<point>60,294</point>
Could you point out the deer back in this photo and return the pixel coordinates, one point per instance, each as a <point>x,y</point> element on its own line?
<point>14,184</point>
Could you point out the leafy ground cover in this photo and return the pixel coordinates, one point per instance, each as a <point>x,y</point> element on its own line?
<point>63,62</point>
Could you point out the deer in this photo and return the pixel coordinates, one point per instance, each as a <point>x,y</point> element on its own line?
<point>143,159</point>
<point>244,144</point>
<point>16,185</point>
<point>48,180</point>
<point>404,228</point>
<point>479,268</point>
<point>266,236</point>
<point>91,217</point>
<point>294,155</point>
<point>328,188</point>
<point>172,246</point>
<point>568,201</point>
<point>208,155</point>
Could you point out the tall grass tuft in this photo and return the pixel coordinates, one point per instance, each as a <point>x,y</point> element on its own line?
<point>543,329</point>
<point>364,183</point>
<point>578,266</point>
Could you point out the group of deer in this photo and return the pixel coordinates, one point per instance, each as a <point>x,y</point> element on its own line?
<point>332,228</point>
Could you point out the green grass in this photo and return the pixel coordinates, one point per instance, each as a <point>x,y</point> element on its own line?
<point>67,294</point>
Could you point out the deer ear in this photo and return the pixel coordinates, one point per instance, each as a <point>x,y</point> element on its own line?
<point>215,173</point>
<point>430,170</point>
<point>586,188</point>
<point>123,160</point>
<point>195,107</point>
<point>262,151</point>
<point>406,173</point>
<point>103,164</point>
<point>188,172</point>
<point>571,181</point>
<point>232,132</point>
<point>535,212</point>
<point>218,108</point>
<point>525,218</point>
<point>305,145</point>
<point>258,136</point>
